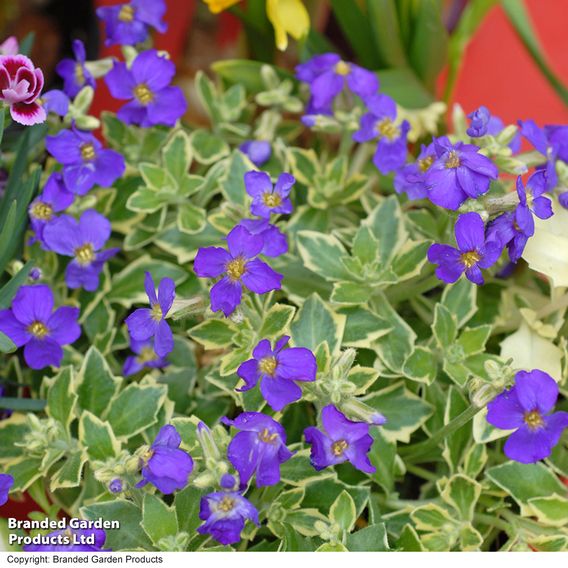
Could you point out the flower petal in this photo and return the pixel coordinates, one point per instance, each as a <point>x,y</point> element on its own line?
<point>41,353</point>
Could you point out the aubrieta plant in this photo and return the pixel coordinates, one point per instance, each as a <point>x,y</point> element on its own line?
<point>319,324</point>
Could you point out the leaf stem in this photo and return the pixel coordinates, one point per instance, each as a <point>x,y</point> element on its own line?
<point>415,451</point>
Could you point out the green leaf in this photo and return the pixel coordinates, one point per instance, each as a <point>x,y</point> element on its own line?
<point>69,474</point>
<point>128,285</point>
<point>405,412</point>
<point>8,291</point>
<point>97,437</point>
<point>207,147</point>
<point>157,178</point>
<point>421,365</point>
<point>473,339</point>
<point>396,346</point>
<point>158,520</point>
<point>130,536</point>
<point>190,218</point>
<point>96,383</point>
<point>387,225</point>
<point>25,472</point>
<point>383,457</point>
<point>322,254</point>
<point>186,503</point>
<point>350,293</point>
<point>315,323</point>
<point>405,88</point>
<point>362,327</point>
<point>431,517</point>
<point>365,245</point>
<point>276,321</point>
<point>462,494</point>
<point>369,539</point>
<point>177,154</point>
<point>444,328</point>
<point>383,18</point>
<point>332,547</point>
<point>214,333</point>
<point>461,300</point>
<point>355,25</point>
<point>12,430</point>
<point>6,344</point>
<point>135,408</point>
<point>61,398</point>
<point>456,443</point>
<point>298,470</point>
<point>429,47</point>
<point>551,510</point>
<point>410,259</point>
<point>409,541</point>
<point>247,73</point>
<point>304,164</point>
<point>146,200</point>
<point>524,482</point>
<point>232,183</point>
<point>343,512</point>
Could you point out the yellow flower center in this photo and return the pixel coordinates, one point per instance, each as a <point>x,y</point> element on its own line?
<point>534,420</point>
<point>88,152</point>
<point>157,313</point>
<point>79,74</point>
<point>226,504</point>
<point>425,163</point>
<point>337,448</point>
<point>38,329</point>
<point>236,268</point>
<point>143,94</point>
<point>85,254</point>
<point>453,160</point>
<point>42,211</point>
<point>266,437</point>
<point>271,199</point>
<point>126,13</point>
<point>267,366</point>
<point>147,354</point>
<point>342,68</point>
<point>388,129</point>
<point>470,258</point>
<point>147,455</point>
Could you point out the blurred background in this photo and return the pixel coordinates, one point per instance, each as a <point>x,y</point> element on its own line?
<point>509,55</point>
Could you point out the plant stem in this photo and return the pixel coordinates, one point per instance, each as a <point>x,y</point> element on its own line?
<point>494,522</point>
<point>415,451</point>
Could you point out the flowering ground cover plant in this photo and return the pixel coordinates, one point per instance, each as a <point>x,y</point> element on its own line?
<point>320,324</point>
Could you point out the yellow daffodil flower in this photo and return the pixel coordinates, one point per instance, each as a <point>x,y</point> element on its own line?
<point>289,17</point>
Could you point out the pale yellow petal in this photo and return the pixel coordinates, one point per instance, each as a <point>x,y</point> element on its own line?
<point>287,17</point>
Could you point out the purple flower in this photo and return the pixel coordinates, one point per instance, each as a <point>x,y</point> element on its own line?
<point>6,482</point>
<point>228,481</point>
<point>512,230</point>
<point>532,200</point>
<point>30,322</point>
<point>495,126</point>
<point>526,408</point>
<point>115,486</point>
<point>548,147</point>
<point>474,251</point>
<point>146,85</point>
<point>55,101</point>
<point>260,447</point>
<point>54,199</point>
<point>164,465</point>
<point>277,370</point>
<point>275,241</point>
<point>70,540</point>
<point>267,199</point>
<point>563,199</point>
<point>479,122</point>
<point>20,86</point>
<point>85,161</point>
<point>411,178</point>
<point>380,122</point>
<point>241,268</point>
<point>82,240</point>
<point>557,136</point>
<point>327,75</point>
<point>459,172</point>
<point>343,440</point>
<point>145,357</point>
<point>258,151</point>
<point>127,24</point>
<point>74,73</point>
<point>145,323</point>
<point>225,514</point>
